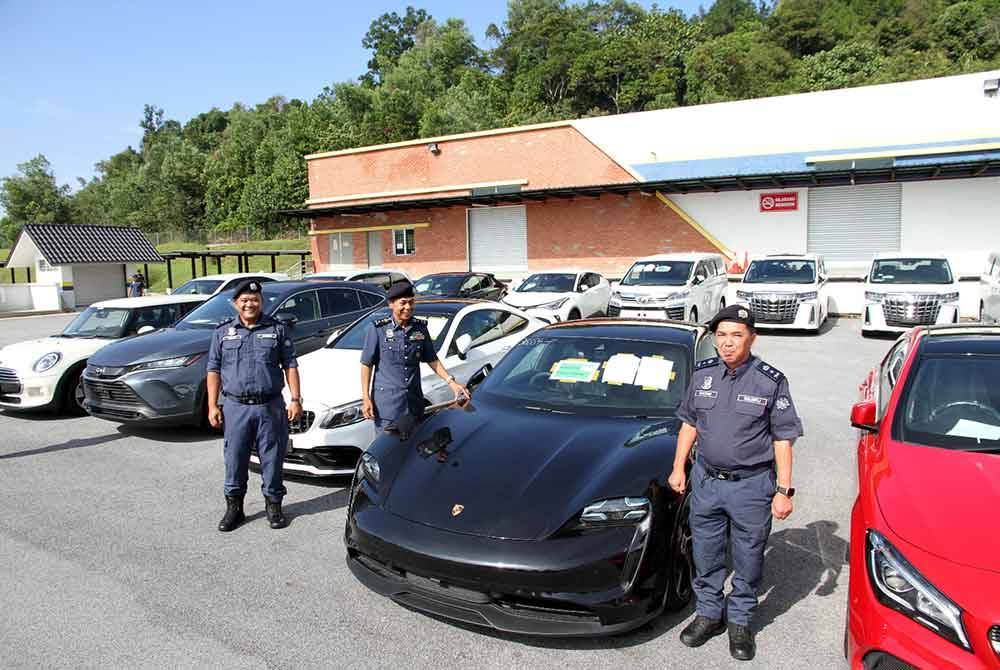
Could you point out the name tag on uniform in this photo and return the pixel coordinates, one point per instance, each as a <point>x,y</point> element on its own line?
<point>702,393</point>
<point>753,399</point>
<point>268,336</point>
<point>231,337</point>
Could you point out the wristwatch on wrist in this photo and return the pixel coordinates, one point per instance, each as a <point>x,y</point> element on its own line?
<point>787,492</point>
<point>298,400</point>
<point>451,379</point>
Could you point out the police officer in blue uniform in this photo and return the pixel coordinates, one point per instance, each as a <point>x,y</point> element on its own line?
<point>250,358</point>
<point>740,411</point>
<point>390,364</point>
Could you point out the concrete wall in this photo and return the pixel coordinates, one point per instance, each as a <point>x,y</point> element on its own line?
<point>29,297</point>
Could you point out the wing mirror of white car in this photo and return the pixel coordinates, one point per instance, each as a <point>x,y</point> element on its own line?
<point>698,279</point>
<point>334,335</point>
<point>463,344</point>
<point>144,330</point>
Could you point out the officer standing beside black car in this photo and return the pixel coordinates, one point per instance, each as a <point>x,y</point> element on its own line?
<point>394,348</point>
<point>740,411</point>
<point>250,358</point>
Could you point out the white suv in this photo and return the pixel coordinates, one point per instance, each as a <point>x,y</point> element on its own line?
<point>682,287</point>
<point>786,291</point>
<point>989,290</point>
<point>905,290</point>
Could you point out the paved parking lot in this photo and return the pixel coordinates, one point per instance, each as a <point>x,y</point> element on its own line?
<point>109,555</point>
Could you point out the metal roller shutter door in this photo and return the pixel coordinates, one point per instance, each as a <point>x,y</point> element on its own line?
<point>498,239</point>
<point>851,223</point>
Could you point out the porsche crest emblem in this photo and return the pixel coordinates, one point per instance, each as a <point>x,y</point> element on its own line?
<point>457,509</point>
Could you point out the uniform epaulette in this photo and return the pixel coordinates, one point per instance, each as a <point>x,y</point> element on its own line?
<point>417,319</point>
<point>707,363</point>
<point>227,322</point>
<point>774,373</point>
<point>383,322</point>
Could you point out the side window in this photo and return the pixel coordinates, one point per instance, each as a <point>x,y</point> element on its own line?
<point>482,325</point>
<point>705,348</point>
<point>160,316</point>
<point>700,270</point>
<point>511,323</point>
<point>720,267</point>
<point>303,306</point>
<point>335,301</point>
<point>473,283</point>
<point>186,307</point>
<point>594,279</point>
<point>369,299</point>
<point>889,375</point>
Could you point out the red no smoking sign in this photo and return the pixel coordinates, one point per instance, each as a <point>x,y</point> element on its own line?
<point>779,201</point>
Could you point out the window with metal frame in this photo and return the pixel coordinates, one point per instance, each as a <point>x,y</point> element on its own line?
<point>404,242</point>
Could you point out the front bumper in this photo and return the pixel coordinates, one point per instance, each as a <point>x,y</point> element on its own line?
<point>324,452</point>
<point>805,315</point>
<point>630,311</point>
<point>572,586</point>
<point>19,390</point>
<point>162,397</point>
<point>873,319</point>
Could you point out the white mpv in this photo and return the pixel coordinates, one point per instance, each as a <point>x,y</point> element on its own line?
<point>906,290</point>
<point>682,287</point>
<point>786,291</point>
<point>989,290</point>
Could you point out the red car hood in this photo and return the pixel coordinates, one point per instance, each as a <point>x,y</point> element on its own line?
<point>943,501</point>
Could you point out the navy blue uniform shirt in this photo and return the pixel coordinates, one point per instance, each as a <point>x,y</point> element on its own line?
<point>250,360</point>
<point>739,413</point>
<point>396,353</point>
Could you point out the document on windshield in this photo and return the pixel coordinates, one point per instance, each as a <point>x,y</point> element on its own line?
<point>975,430</point>
<point>654,373</point>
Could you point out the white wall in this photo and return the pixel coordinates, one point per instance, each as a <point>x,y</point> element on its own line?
<point>29,297</point>
<point>735,219</point>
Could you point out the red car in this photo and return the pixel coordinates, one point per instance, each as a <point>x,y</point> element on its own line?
<point>925,528</point>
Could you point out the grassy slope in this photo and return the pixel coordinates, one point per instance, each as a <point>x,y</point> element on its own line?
<point>182,268</point>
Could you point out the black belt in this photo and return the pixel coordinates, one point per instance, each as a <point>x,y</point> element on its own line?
<point>735,474</point>
<point>252,398</point>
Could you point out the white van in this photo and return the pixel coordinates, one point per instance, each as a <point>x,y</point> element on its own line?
<point>682,287</point>
<point>904,290</point>
<point>786,291</point>
<point>989,290</point>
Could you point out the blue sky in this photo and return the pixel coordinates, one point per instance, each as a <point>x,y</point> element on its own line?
<point>74,76</point>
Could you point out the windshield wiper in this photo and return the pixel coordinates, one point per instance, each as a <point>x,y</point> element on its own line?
<point>984,449</point>
<point>547,410</point>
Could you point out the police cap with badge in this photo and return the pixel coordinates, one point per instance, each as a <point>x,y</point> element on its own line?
<point>735,314</point>
<point>249,286</point>
<point>400,289</point>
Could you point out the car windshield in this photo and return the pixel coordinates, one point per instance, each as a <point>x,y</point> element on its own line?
<point>780,272</point>
<point>198,287</point>
<point>658,273</point>
<point>548,283</point>
<point>354,338</point>
<point>440,284</point>
<point>951,401</point>
<point>98,322</point>
<point>216,310</point>
<point>592,375</point>
<point>911,271</point>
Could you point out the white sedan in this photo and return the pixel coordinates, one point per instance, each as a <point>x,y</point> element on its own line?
<point>46,373</point>
<point>562,295</point>
<point>332,433</point>
<point>210,285</point>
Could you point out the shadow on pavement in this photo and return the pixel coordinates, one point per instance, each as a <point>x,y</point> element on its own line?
<point>65,446</point>
<point>317,505</point>
<point>173,434</point>
<point>828,325</point>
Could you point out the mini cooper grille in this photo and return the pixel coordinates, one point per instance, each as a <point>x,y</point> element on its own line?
<point>116,392</point>
<point>911,311</point>
<point>774,308</point>
<point>8,376</point>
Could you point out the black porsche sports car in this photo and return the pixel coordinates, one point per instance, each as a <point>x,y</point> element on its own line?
<point>542,506</point>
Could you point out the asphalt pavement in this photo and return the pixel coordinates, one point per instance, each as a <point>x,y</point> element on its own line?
<point>109,556</point>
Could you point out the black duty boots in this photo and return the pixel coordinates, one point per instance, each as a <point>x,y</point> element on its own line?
<point>234,514</point>
<point>741,643</point>
<point>701,630</point>
<point>274,514</point>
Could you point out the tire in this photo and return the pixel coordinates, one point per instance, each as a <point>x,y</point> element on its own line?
<point>71,393</point>
<point>679,589</point>
<point>574,314</point>
<point>694,315</point>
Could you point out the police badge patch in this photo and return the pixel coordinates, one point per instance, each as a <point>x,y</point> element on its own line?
<point>706,383</point>
<point>782,403</point>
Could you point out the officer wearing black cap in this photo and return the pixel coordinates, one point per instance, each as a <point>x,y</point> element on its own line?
<point>250,358</point>
<point>740,411</point>
<point>390,363</point>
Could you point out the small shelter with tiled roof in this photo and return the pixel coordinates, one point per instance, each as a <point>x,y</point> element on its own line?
<point>86,263</point>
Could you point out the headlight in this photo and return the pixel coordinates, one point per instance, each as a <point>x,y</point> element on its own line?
<point>616,510</point>
<point>899,586</point>
<point>47,362</point>
<point>369,464</point>
<point>555,304</point>
<point>873,296</point>
<point>343,416</point>
<point>809,295</point>
<point>680,295</point>
<point>615,295</point>
<point>744,295</point>
<point>176,362</point>
<point>949,297</point>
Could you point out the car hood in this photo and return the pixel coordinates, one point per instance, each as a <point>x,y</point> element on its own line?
<point>764,287</point>
<point>912,288</point>
<point>164,343</point>
<point>943,501</point>
<point>533,299</point>
<point>22,355</point>
<point>519,473</point>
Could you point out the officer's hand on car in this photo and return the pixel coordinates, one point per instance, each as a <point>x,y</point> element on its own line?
<point>214,416</point>
<point>677,481</point>
<point>294,410</point>
<point>462,394</point>
<point>781,507</point>
<point>367,408</point>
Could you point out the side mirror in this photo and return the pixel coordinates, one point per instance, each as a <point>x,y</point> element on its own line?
<point>334,335</point>
<point>863,416</point>
<point>144,330</point>
<point>698,279</point>
<point>463,344</point>
<point>479,376</point>
<point>287,318</point>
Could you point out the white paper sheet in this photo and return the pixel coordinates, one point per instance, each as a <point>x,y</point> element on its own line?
<point>974,429</point>
<point>654,373</point>
<point>621,369</point>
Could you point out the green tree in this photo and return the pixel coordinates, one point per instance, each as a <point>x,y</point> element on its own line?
<point>389,37</point>
<point>796,26</point>
<point>32,196</point>
<point>477,102</point>
<point>843,66</point>
<point>728,16</point>
<point>737,66</point>
<point>969,30</point>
